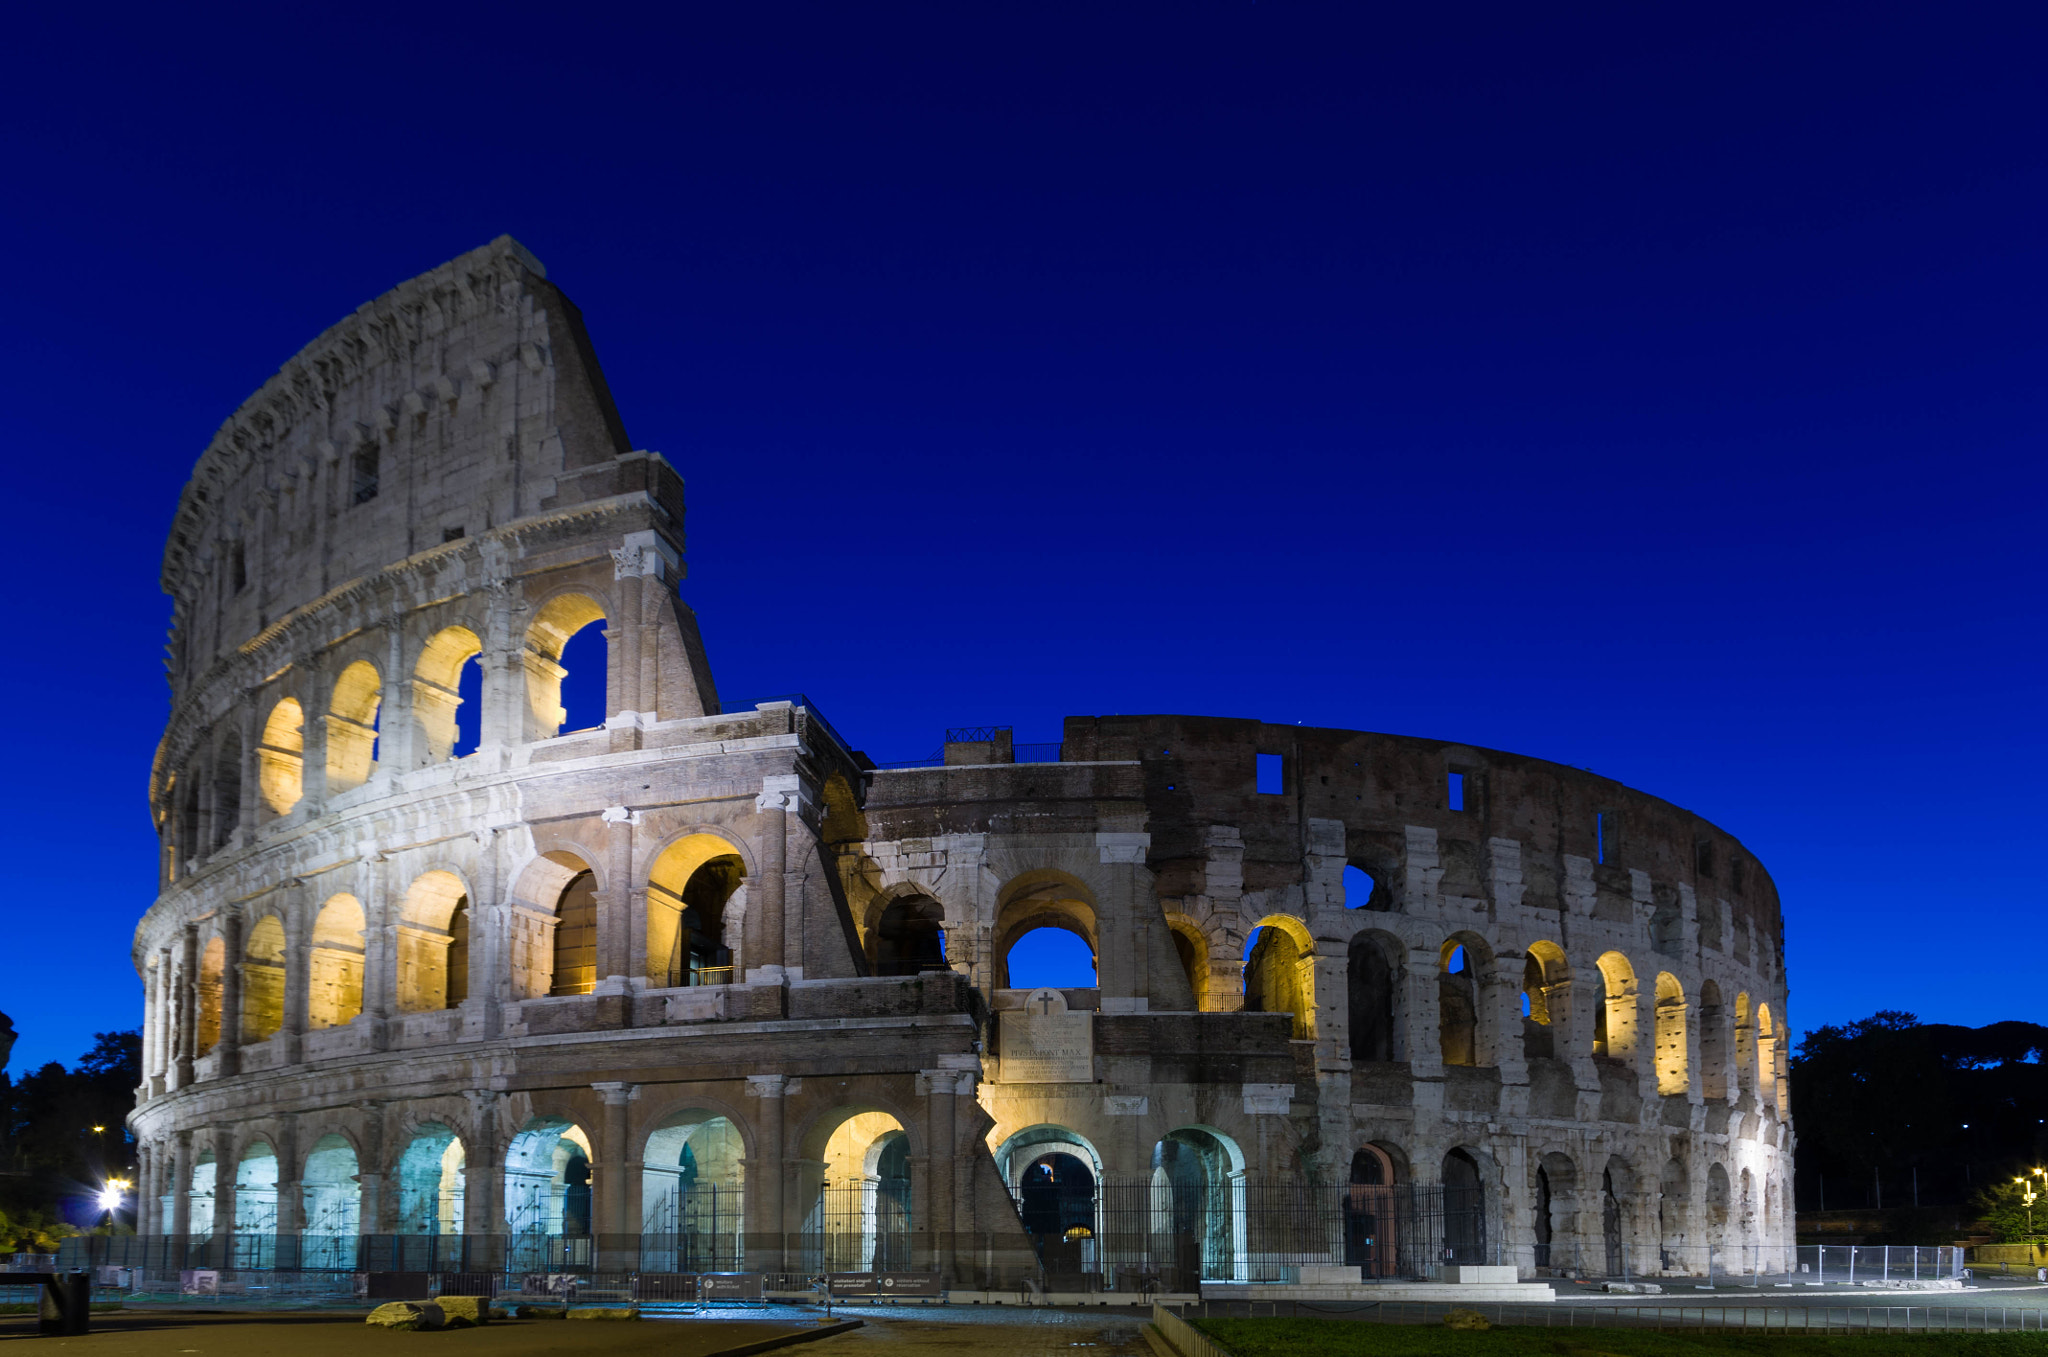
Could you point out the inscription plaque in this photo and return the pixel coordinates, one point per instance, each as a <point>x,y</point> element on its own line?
<point>1046,1043</point>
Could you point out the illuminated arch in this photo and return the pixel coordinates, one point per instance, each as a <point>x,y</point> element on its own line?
<point>427,924</point>
<point>1614,1017</point>
<point>352,726</point>
<point>689,885</point>
<point>263,980</point>
<point>436,689</point>
<point>1280,972</point>
<point>335,964</point>
<point>1673,1074</point>
<point>280,757</point>
<point>560,618</point>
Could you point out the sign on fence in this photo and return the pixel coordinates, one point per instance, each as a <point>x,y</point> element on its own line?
<point>729,1286</point>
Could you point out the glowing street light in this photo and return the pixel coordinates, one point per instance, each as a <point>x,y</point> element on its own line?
<point>113,1194</point>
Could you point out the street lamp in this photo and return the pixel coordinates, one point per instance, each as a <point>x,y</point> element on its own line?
<point>112,1194</point>
<point>2028,1196</point>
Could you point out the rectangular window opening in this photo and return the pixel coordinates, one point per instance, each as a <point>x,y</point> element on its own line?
<point>1703,860</point>
<point>451,534</point>
<point>1603,836</point>
<point>1272,782</point>
<point>1455,794</point>
<point>365,483</point>
<point>238,559</point>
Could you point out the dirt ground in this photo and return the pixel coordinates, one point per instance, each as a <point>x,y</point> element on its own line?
<point>165,1334</point>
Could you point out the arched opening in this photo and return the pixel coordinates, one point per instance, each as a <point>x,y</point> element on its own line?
<point>1673,1196</point>
<point>335,965</point>
<point>1713,1042</point>
<point>1279,973</point>
<point>1191,950</point>
<point>1457,1002</point>
<point>910,937</point>
<point>1360,890</point>
<point>227,789</point>
<point>1614,1016</point>
<point>256,1206</point>
<point>437,697</point>
<point>574,969</point>
<point>692,1195</point>
<point>1056,1201</point>
<point>333,1203</point>
<point>547,1181</point>
<point>1611,1223</point>
<point>425,932</point>
<point>281,757</point>
<point>861,1218</point>
<point>1672,1073</point>
<point>1197,1209</point>
<point>212,968</point>
<point>200,1195</point>
<point>1055,1176</point>
<point>691,888</point>
<point>263,980</point>
<point>1717,1214</point>
<point>563,620</point>
<point>352,719</point>
<point>1045,935</point>
<point>1464,1209</point>
<point>1557,1180</point>
<point>431,1182</point>
<point>1370,1242</point>
<point>1369,984</point>
<point>1766,1058</point>
<point>1546,997</point>
<point>1052,957</point>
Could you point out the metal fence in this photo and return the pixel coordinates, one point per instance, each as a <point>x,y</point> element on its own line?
<point>1821,1319</point>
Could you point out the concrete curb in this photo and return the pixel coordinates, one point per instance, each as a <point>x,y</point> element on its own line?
<point>786,1340</point>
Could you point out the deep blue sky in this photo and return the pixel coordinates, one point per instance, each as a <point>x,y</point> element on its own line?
<point>1651,388</point>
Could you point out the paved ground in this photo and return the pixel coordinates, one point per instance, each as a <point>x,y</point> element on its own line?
<point>983,1331</point>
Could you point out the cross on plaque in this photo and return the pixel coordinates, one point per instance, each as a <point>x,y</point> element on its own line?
<point>1044,1004</point>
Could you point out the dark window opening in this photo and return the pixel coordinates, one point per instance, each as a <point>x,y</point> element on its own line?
<point>1605,838</point>
<point>1703,860</point>
<point>1735,866</point>
<point>1456,792</point>
<point>451,534</point>
<point>365,484</point>
<point>238,566</point>
<point>1272,781</point>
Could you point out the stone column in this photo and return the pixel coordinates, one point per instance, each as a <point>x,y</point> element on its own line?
<point>483,1189</point>
<point>373,1210</point>
<point>611,1176</point>
<point>225,1168</point>
<point>181,1183</point>
<point>767,1179</point>
<point>615,923</point>
<point>380,950</point>
<point>934,1207</point>
<point>298,975</point>
<point>145,1184</point>
<point>249,772</point>
<point>231,992</point>
<point>396,735</point>
<point>152,1026</point>
<point>188,1002</point>
<point>765,945</point>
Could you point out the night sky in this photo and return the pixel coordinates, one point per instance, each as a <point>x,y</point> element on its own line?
<point>1655,389</point>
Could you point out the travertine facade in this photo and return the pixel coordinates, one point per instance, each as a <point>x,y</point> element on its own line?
<point>410,974</point>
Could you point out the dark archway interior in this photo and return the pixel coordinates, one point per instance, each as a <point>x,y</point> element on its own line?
<point>1370,981</point>
<point>911,937</point>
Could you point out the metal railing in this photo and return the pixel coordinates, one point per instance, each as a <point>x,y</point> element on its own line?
<point>1184,1337</point>
<point>1818,1319</point>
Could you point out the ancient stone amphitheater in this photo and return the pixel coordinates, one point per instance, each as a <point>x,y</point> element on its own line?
<point>698,987</point>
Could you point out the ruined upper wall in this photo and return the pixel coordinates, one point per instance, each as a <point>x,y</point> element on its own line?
<point>460,401</point>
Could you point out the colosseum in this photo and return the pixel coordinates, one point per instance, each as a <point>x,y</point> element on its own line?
<point>443,976</point>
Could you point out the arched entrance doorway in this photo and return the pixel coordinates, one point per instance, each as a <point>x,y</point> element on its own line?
<point>1369,1216</point>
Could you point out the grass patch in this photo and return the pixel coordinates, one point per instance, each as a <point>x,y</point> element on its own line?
<point>30,1307</point>
<point>1351,1338</point>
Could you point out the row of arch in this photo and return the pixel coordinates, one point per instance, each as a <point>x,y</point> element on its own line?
<point>693,907</point>
<point>853,1183</point>
<point>1477,1005</point>
<point>205,801</point>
